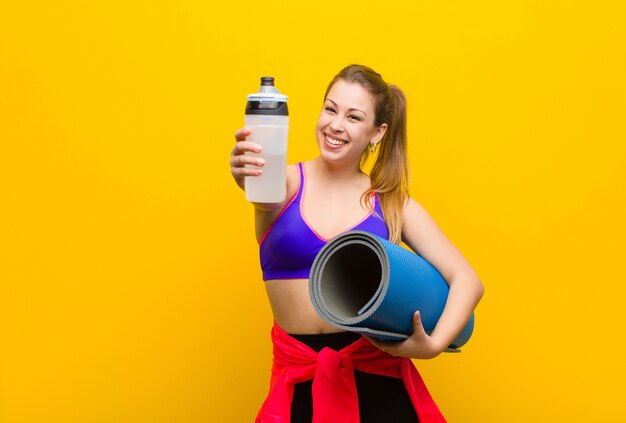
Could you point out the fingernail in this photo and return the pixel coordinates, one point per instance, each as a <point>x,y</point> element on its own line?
<point>260,162</point>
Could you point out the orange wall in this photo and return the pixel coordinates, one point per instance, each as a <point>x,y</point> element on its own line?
<point>129,282</point>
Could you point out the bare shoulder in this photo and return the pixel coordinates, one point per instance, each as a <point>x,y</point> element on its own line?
<point>412,206</point>
<point>418,228</point>
<point>414,213</point>
<point>293,181</point>
<point>422,234</point>
<point>266,214</point>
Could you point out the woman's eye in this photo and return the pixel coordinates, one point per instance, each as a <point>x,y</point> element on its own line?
<point>355,117</point>
<point>329,109</point>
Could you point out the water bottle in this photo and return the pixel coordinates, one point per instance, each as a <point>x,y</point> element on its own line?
<point>268,119</point>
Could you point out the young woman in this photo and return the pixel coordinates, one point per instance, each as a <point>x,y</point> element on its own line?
<point>321,374</point>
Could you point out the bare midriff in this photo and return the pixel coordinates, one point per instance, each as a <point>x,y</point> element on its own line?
<point>292,307</point>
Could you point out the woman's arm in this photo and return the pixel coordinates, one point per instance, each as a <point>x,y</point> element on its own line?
<point>422,235</point>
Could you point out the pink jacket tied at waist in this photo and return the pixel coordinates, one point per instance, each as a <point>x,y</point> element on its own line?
<point>334,390</point>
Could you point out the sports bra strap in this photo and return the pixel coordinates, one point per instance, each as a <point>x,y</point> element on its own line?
<point>300,184</point>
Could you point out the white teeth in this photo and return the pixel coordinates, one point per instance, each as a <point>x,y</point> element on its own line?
<point>335,142</point>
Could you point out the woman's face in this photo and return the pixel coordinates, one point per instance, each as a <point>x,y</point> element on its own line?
<point>346,127</point>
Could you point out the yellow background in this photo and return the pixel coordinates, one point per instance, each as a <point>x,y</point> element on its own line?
<point>130,286</point>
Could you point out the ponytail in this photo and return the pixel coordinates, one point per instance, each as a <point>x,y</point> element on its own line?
<point>390,173</point>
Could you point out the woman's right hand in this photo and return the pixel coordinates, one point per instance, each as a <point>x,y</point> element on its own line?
<point>238,158</point>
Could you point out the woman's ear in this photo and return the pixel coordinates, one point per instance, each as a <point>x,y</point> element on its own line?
<point>379,134</point>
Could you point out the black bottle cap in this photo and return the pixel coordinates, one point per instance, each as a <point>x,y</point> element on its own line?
<point>267,81</point>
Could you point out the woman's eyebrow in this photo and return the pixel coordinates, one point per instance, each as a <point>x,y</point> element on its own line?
<point>350,109</point>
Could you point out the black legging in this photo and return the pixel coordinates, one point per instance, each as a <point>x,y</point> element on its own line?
<point>381,398</point>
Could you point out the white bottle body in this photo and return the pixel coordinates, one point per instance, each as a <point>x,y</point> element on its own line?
<point>270,131</point>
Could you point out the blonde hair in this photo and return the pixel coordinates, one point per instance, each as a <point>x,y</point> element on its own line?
<point>390,173</point>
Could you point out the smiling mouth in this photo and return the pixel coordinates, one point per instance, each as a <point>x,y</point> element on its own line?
<point>334,141</point>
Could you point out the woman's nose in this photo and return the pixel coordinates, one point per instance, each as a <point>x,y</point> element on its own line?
<point>336,125</point>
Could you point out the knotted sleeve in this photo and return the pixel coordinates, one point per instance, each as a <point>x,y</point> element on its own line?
<point>334,392</point>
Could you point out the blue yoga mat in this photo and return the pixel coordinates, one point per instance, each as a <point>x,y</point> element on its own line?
<point>362,283</point>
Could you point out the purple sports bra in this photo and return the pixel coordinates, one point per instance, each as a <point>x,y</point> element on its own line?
<point>290,245</point>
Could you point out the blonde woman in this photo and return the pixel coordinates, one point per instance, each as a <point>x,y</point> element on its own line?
<point>321,374</point>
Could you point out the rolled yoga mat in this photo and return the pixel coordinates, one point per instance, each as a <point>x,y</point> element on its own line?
<point>362,283</point>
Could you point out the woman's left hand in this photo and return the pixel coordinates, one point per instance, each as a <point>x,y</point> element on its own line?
<point>418,345</point>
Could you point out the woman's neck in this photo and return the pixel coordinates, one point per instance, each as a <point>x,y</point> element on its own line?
<point>335,172</point>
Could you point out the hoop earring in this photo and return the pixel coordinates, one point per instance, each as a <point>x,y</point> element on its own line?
<point>373,147</point>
